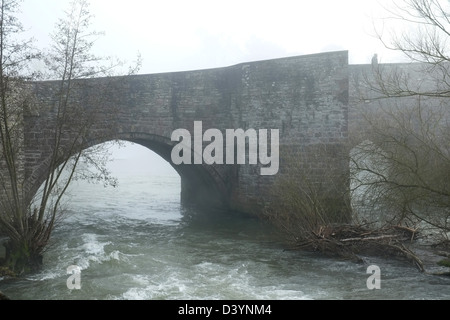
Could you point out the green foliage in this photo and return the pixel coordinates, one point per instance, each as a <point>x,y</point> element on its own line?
<point>444,263</point>
<point>6,272</point>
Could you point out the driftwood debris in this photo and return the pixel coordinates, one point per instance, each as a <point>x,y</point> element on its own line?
<point>349,241</point>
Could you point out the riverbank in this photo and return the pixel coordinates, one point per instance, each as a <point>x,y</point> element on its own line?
<point>434,257</point>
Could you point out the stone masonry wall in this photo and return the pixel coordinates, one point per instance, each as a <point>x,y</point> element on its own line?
<point>306,98</point>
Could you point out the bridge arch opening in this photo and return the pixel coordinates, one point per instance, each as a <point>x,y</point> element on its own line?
<point>199,185</point>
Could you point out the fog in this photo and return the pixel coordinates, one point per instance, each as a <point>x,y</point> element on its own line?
<point>179,35</point>
<point>131,158</point>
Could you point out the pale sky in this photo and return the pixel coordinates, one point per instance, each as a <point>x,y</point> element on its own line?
<point>179,35</point>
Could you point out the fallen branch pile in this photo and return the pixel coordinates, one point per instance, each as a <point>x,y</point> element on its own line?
<point>349,241</point>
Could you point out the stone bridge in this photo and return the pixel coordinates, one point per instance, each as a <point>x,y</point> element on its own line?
<point>305,97</point>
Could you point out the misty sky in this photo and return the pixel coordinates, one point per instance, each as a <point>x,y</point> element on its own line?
<point>179,35</point>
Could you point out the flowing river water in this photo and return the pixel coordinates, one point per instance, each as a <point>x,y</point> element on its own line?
<point>137,242</point>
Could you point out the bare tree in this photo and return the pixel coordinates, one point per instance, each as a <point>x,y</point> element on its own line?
<point>77,108</point>
<point>402,168</point>
<point>14,99</point>
<point>424,41</point>
<point>310,206</point>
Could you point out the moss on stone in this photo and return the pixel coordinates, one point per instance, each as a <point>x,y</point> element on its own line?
<point>444,263</point>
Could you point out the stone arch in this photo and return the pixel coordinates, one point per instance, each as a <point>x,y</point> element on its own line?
<point>243,96</point>
<point>201,185</point>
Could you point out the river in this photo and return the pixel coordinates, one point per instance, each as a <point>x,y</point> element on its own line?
<point>136,242</point>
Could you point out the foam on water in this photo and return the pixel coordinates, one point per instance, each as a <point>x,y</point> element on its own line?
<point>130,245</point>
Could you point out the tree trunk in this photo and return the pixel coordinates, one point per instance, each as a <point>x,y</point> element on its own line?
<point>21,258</point>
